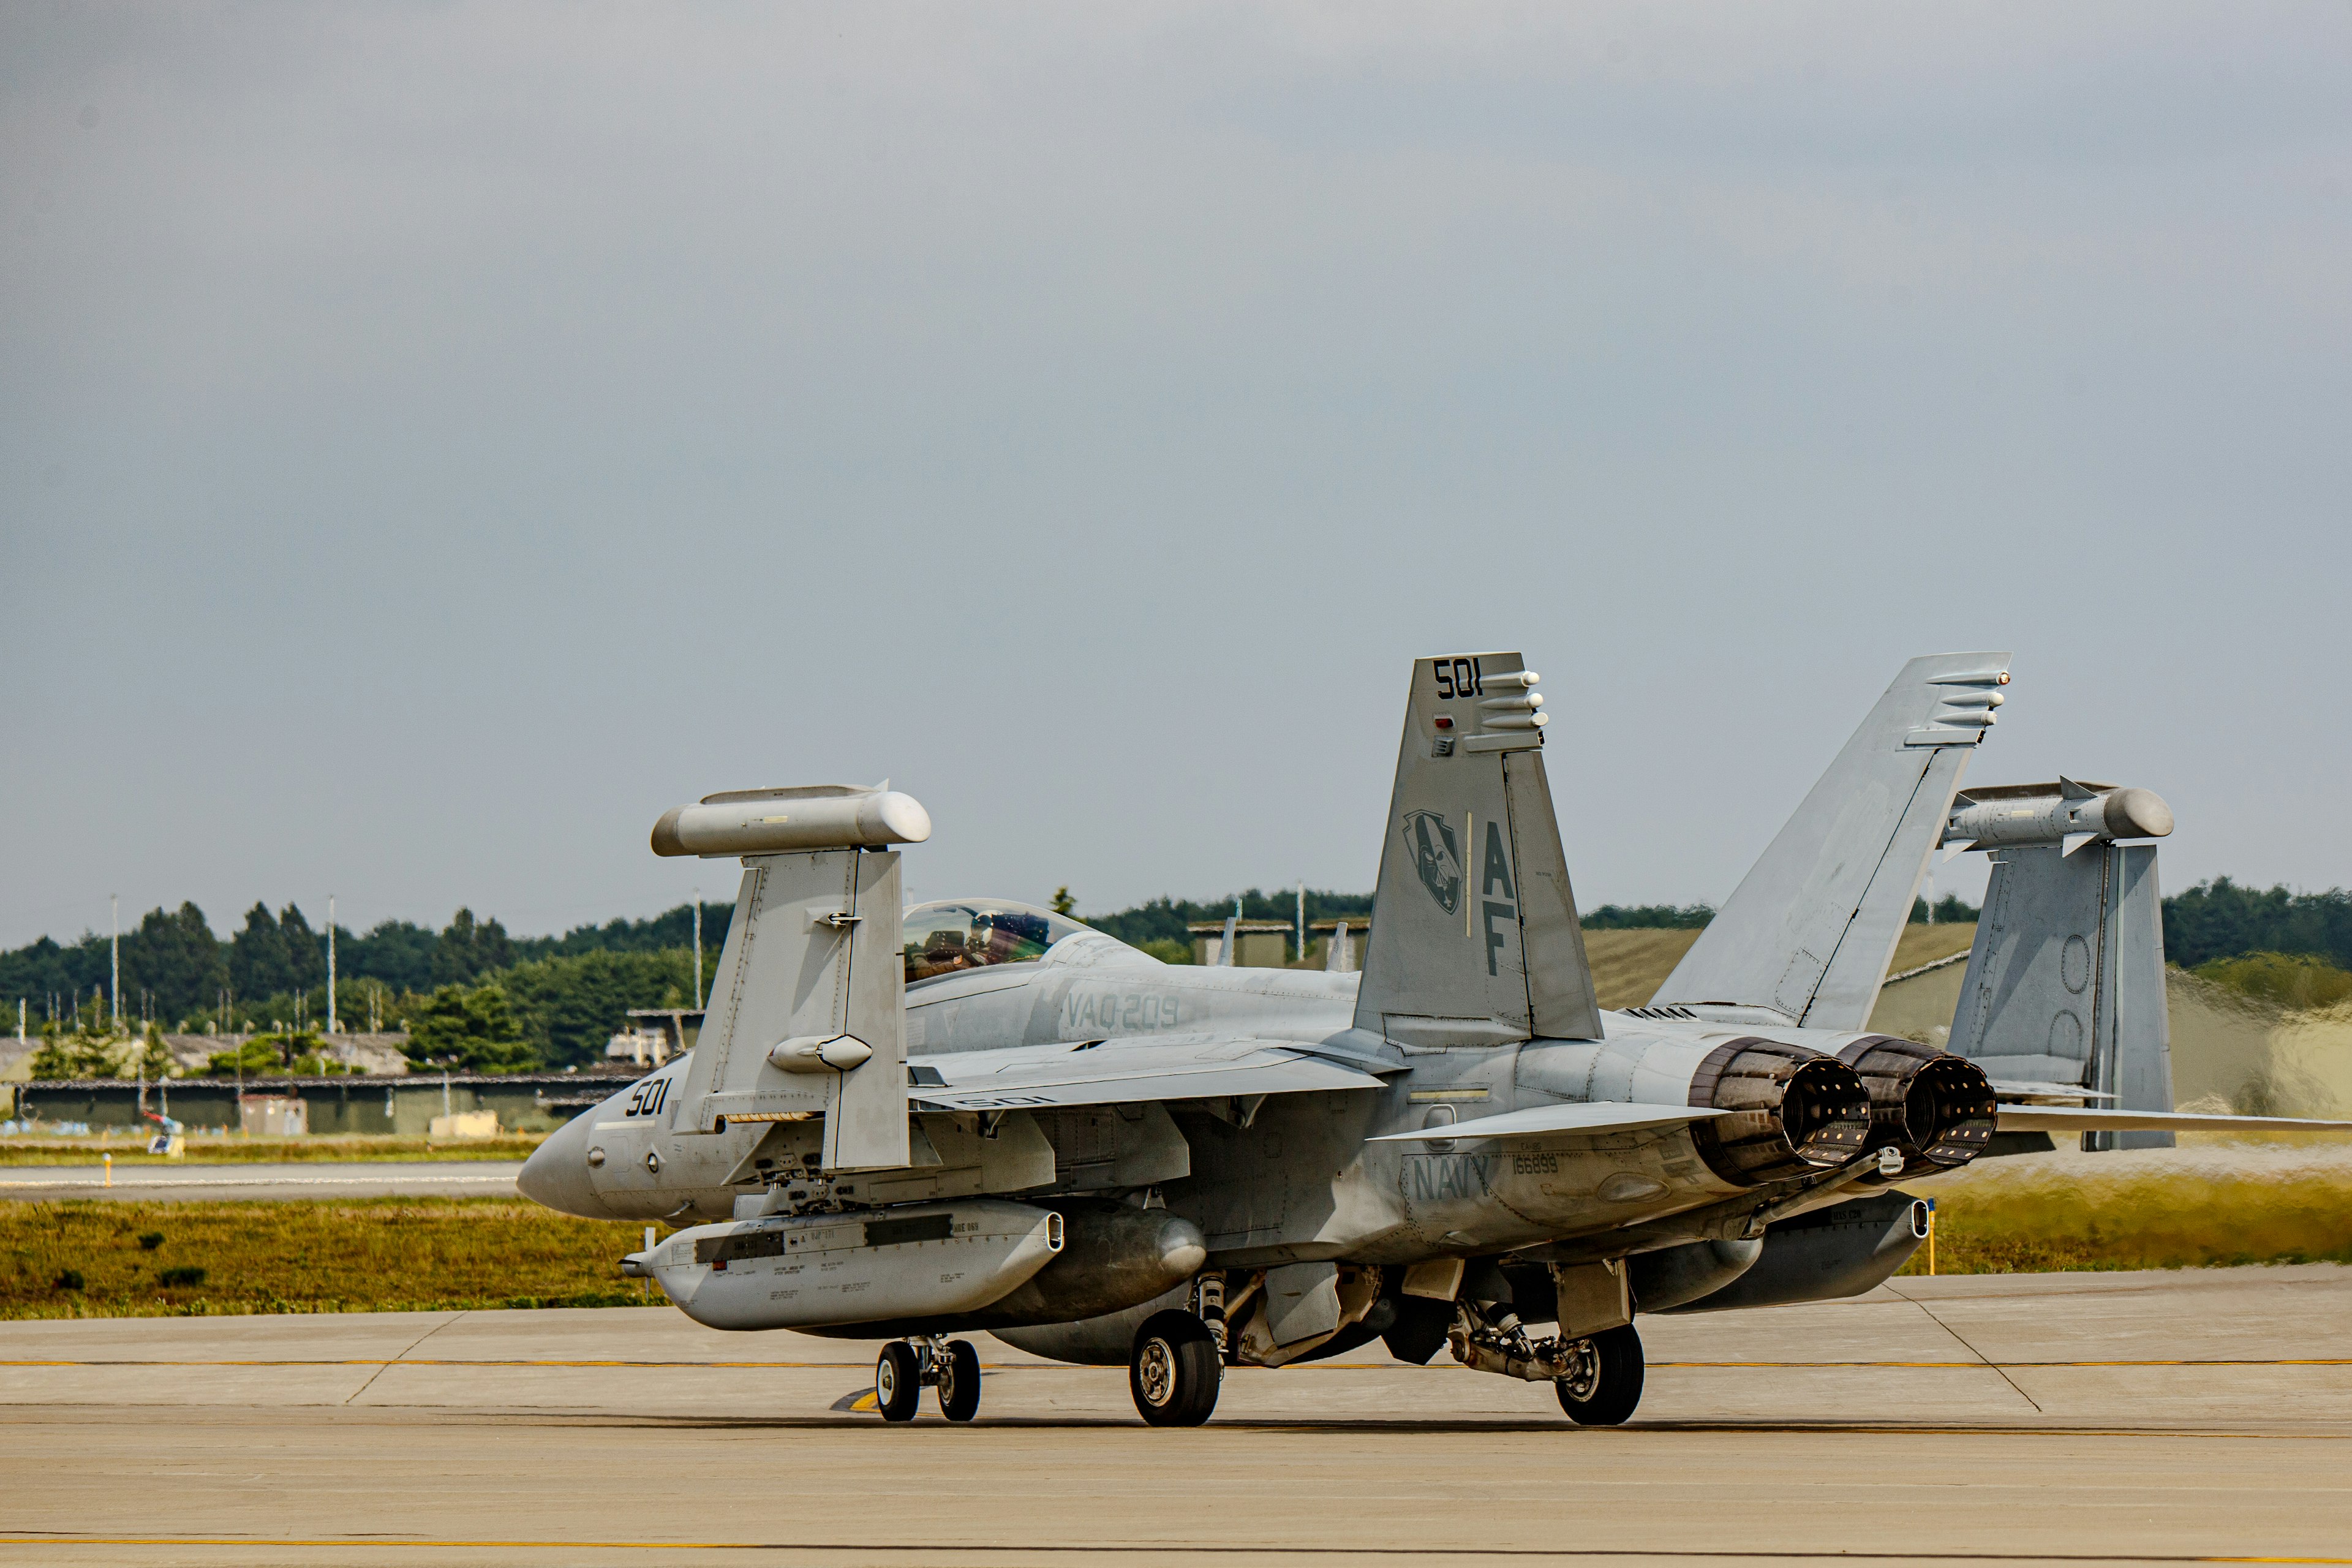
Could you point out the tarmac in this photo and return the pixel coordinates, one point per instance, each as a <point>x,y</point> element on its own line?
<point>2190,1417</point>
<point>247,1183</point>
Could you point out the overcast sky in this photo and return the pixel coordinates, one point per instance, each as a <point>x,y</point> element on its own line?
<point>436,439</point>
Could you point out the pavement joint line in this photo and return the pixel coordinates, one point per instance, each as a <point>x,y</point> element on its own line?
<point>1133,1549</point>
<point>1996,1371</point>
<point>420,1339</point>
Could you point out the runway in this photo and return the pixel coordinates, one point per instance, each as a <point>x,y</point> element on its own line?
<point>2117,1418</point>
<point>247,1182</point>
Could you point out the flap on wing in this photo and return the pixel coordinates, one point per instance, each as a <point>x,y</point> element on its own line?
<point>1110,1072</point>
<point>2079,1119</point>
<point>1565,1120</point>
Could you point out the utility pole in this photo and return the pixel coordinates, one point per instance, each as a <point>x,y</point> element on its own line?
<point>697,948</point>
<point>114,982</point>
<point>331,963</point>
<point>1302,919</point>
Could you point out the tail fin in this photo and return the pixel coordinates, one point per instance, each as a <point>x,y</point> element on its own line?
<point>1809,930</point>
<point>1474,936</point>
<point>2066,982</point>
<point>808,1006</point>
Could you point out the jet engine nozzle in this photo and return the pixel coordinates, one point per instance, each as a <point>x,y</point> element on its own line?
<point>1934,1107</point>
<point>1793,1110</point>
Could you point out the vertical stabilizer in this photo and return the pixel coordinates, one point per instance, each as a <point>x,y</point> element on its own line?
<point>2066,982</point>
<point>1474,937</point>
<point>808,1007</point>
<point>1810,929</point>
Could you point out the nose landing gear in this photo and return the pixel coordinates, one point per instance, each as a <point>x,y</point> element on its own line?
<point>905,1367</point>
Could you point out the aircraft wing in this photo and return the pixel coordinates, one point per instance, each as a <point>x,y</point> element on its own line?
<point>1565,1120</point>
<point>2084,1119</point>
<point>1120,1071</point>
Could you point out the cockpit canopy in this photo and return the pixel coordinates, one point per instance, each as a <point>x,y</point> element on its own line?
<point>944,937</point>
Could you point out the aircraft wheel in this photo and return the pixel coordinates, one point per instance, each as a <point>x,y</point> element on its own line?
<point>1607,1383</point>
<point>897,1381</point>
<point>1173,1371</point>
<point>959,1381</point>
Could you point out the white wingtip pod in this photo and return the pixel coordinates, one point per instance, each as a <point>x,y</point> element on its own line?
<point>770,821</point>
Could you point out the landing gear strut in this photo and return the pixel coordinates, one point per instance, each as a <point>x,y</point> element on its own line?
<point>1598,1379</point>
<point>1174,1372</point>
<point>905,1367</point>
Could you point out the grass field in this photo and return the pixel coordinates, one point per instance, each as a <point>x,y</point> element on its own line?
<point>2281,1200</point>
<point>2277,1202</point>
<point>380,1255</point>
<point>236,1150</point>
<point>1629,965</point>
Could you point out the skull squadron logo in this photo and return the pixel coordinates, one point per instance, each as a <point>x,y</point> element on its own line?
<point>1437,856</point>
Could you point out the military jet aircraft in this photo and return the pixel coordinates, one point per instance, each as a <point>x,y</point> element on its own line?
<point>907,1124</point>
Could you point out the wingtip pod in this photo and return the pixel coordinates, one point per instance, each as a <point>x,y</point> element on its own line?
<point>2137,814</point>
<point>766,822</point>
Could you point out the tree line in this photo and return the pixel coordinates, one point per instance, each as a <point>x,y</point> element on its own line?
<point>475,995</point>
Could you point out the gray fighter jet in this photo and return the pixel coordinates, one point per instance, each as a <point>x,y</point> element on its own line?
<point>908,1124</point>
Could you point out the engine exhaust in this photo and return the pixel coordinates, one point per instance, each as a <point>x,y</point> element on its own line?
<point>1793,1110</point>
<point>1934,1107</point>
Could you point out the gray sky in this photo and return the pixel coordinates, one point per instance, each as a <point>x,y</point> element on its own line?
<point>434,440</point>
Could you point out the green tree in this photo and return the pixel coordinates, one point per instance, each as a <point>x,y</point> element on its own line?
<point>470,1029</point>
<point>252,1056</point>
<point>83,1051</point>
<point>176,958</point>
<point>568,1007</point>
<point>305,949</point>
<point>468,950</point>
<point>257,965</point>
<point>1063,903</point>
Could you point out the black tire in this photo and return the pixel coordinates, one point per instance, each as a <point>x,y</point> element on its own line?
<point>1615,1387</point>
<point>1419,1332</point>
<point>897,1381</point>
<point>1173,1371</point>
<point>959,1381</point>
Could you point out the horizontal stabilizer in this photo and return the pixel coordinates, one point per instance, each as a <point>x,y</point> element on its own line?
<point>1564,1120</point>
<point>1116,1072</point>
<point>2027,1093</point>
<point>2081,1119</point>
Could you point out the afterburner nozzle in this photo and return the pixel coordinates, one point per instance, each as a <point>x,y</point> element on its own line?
<point>1793,1110</point>
<point>1936,1108</point>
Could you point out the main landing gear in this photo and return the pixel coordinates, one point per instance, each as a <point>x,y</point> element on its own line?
<point>907,1367</point>
<point>1175,1369</point>
<point>1598,1379</point>
<point>1604,1380</point>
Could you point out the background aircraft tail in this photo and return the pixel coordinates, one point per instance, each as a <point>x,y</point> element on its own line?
<point>1810,929</point>
<point>1473,935</point>
<point>2066,981</point>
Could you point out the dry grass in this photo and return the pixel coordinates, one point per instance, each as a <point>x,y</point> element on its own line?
<point>1925,944</point>
<point>1628,965</point>
<point>384,1255</point>
<point>236,1150</point>
<point>2287,1200</point>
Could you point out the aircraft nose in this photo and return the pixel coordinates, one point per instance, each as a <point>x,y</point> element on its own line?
<point>556,1174</point>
